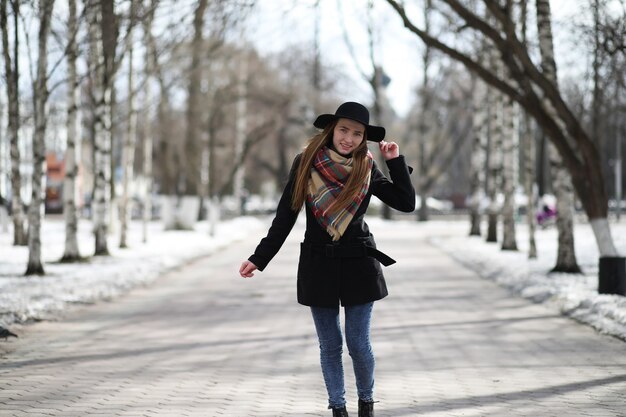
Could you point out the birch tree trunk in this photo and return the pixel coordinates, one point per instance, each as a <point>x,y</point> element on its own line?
<point>147,125</point>
<point>528,155</point>
<point>479,150</point>
<point>563,188</point>
<point>190,172</point>
<point>72,154</point>
<point>102,140</point>
<point>4,212</point>
<point>494,158</point>
<point>240,134</point>
<point>40,99</point>
<point>424,122</point>
<point>12,84</point>
<point>128,151</point>
<point>529,176</point>
<point>510,149</point>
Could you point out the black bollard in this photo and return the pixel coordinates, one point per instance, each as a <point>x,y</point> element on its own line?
<point>612,277</point>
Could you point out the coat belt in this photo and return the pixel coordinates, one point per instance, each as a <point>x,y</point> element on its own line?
<point>359,250</point>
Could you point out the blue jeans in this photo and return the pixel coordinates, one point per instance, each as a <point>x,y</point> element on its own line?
<point>328,328</point>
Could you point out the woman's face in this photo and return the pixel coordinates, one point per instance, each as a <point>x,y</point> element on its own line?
<point>347,136</point>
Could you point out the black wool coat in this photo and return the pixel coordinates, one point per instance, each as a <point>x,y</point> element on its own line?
<point>347,271</point>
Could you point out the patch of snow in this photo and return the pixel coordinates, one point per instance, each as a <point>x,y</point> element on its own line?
<point>574,295</point>
<point>29,298</point>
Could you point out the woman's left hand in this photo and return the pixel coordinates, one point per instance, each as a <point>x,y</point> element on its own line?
<point>389,150</point>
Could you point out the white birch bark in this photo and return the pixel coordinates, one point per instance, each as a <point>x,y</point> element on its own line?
<point>128,151</point>
<point>72,153</point>
<point>528,154</point>
<point>102,142</point>
<point>40,99</point>
<point>529,189</point>
<point>562,184</point>
<point>11,64</point>
<point>510,149</point>
<point>604,239</point>
<point>147,132</point>
<point>479,149</point>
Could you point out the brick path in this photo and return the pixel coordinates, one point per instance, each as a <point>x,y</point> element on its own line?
<point>203,342</point>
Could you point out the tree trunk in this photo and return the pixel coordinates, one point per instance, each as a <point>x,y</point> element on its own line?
<point>128,151</point>
<point>113,212</point>
<point>240,133</point>
<point>494,126</point>
<point>529,176</point>
<point>190,172</point>
<point>147,125</point>
<point>12,83</point>
<point>566,256</point>
<point>425,121</point>
<point>40,99</point>
<point>102,140</point>
<point>479,149</point>
<point>4,212</point>
<point>528,155</point>
<point>165,155</point>
<point>510,149</point>
<point>72,153</point>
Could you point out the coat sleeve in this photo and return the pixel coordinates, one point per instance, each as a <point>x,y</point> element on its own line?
<point>281,226</point>
<point>398,192</point>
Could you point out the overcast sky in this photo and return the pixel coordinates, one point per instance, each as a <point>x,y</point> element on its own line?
<point>278,23</point>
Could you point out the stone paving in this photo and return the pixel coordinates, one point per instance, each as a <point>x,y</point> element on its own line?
<point>203,342</point>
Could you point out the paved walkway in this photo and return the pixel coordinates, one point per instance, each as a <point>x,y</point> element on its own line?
<point>203,342</point>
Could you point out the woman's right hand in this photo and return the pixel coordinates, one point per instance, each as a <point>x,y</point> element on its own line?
<point>246,269</point>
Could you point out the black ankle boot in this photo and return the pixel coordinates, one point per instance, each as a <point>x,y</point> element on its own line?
<point>366,408</point>
<point>340,412</point>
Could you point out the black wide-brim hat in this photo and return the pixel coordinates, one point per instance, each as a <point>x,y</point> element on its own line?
<point>353,111</point>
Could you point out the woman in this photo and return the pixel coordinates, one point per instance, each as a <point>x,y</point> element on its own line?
<point>334,178</point>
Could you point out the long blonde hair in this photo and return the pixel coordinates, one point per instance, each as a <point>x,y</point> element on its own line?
<point>355,180</point>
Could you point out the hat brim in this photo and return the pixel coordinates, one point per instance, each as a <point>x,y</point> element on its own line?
<point>374,133</point>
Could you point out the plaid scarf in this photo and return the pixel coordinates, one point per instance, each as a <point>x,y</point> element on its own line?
<point>329,174</point>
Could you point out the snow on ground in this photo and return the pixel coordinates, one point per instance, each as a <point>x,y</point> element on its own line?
<point>103,277</point>
<point>37,298</point>
<point>574,295</point>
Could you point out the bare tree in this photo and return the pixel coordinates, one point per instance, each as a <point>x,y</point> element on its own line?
<point>528,155</point>
<point>71,252</point>
<point>147,124</point>
<point>128,151</point>
<point>530,86</point>
<point>479,153</point>
<point>510,155</point>
<point>241,126</point>
<point>106,61</point>
<point>566,254</point>
<point>424,121</point>
<point>190,172</point>
<point>11,65</point>
<point>376,78</point>
<point>494,156</point>
<point>103,38</point>
<point>4,213</point>
<point>40,100</point>
<point>510,158</point>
